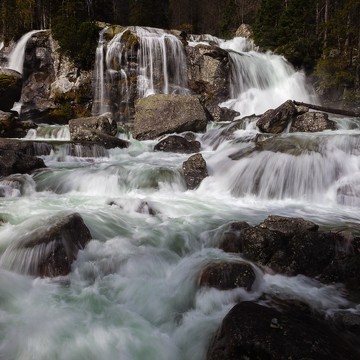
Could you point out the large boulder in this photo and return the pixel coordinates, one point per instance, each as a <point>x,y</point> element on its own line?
<point>10,88</point>
<point>18,157</point>
<point>178,144</point>
<point>50,249</point>
<point>312,122</point>
<point>161,114</point>
<point>276,120</point>
<point>194,170</point>
<point>208,75</point>
<point>253,331</point>
<point>11,126</point>
<point>97,129</point>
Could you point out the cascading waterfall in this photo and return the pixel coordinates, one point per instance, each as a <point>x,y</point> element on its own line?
<point>161,68</point>
<point>133,293</point>
<point>99,106</point>
<point>17,56</point>
<point>261,81</point>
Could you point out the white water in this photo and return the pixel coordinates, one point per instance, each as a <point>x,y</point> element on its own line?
<point>262,81</point>
<point>133,292</point>
<point>17,56</point>
<point>162,69</point>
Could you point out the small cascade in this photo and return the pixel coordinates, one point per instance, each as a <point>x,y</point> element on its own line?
<point>261,81</point>
<point>17,56</point>
<point>99,106</point>
<point>49,132</point>
<point>139,62</point>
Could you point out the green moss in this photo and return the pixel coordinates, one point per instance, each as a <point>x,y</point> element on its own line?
<point>131,40</point>
<point>7,81</point>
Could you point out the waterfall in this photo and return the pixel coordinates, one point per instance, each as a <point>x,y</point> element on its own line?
<point>261,81</point>
<point>17,56</point>
<point>99,106</point>
<point>139,62</point>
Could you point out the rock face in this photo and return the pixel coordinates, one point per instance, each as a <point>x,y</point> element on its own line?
<point>194,170</point>
<point>157,115</point>
<point>50,249</point>
<point>10,88</point>
<point>10,126</point>
<point>99,129</point>
<point>54,90</point>
<point>208,75</point>
<point>253,331</point>
<point>228,275</point>
<point>312,122</point>
<point>18,157</point>
<point>178,144</point>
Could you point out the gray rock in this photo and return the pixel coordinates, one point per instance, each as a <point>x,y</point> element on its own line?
<point>208,75</point>
<point>312,122</point>
<point>10,88</point>
<point>101,123</point>
<point>194,170</point>
<point>244,30</point>
<point>158,115</point>
<point>275,121</point>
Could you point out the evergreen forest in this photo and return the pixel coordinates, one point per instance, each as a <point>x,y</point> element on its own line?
<point>320,36</point>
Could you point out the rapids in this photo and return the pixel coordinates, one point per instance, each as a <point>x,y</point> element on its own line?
<point>133,291</point>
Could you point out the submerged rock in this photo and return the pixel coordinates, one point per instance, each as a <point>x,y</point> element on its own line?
<point>10,88</point>
<point>253,331</point>
<point>228,275</point>
<point>18,157</point>
<point>178,144</point>
<point>16,185</point>
<point>50,249</point>
<point>158,115</point>
<point>194,170</point>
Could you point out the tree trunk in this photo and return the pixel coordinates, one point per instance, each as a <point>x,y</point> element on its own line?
<point>329,110</point>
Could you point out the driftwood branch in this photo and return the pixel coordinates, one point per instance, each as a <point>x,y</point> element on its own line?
<point>329,110</point>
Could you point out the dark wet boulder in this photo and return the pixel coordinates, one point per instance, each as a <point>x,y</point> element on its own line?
<point>18,157</point>
<point>228,275</point>
<point>50,249</point>
<point>276,120</point>
<point>10,88</point>
<point>230,240</point>
<point>11,126</point>
<point>253,331</point>
<point>97,129</point>
<point>157,115</point>
<point>178,144</point>
<point>194,171</point>
<point>312,122</point>
<point>223,114</point>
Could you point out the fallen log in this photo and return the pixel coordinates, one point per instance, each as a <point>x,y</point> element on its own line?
<point>328,110</point>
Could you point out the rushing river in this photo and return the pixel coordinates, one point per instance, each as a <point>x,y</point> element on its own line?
<point>133,291</point>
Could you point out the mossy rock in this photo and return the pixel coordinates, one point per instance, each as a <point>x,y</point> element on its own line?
<point>10,88</point>
<point>130,39</point>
